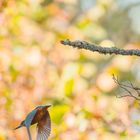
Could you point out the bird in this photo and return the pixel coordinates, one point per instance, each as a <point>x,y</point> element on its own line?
<point>41,117</point>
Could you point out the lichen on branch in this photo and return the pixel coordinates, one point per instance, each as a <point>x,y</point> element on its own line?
<point>97,48</point>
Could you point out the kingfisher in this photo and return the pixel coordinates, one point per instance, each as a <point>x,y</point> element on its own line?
<point>41,117</point>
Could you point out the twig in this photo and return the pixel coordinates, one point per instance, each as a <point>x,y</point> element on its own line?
<point>96,48</point>
<point>126,88</point>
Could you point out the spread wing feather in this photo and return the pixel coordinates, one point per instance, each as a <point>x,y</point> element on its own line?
<point>44,127</point>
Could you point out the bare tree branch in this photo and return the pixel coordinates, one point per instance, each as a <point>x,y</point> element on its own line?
<point>127,88</point>
<point>96,48</point>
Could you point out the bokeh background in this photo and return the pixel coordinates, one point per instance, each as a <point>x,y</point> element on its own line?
<point>35,69</point>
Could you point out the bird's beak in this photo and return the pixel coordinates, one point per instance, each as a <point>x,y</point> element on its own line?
<point>18,127</point>
<point>48,106</point>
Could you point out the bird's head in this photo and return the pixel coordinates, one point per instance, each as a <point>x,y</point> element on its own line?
<point>21,125</point>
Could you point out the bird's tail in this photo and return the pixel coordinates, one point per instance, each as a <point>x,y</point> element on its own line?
<point>29,134</point>
<point>18,127</point>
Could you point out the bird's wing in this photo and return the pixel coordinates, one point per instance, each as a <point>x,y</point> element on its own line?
<point>44,127</point>
<point>30,117</point>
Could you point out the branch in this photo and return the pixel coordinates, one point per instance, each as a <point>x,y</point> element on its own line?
<point>127,88</point>
<point>96,48</point>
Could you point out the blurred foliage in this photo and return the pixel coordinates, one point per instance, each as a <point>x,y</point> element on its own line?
<point>36,69</point>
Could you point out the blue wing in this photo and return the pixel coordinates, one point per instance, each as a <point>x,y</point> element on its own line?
<point>30,117</point>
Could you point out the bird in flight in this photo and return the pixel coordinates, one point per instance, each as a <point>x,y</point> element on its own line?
<point>39,115</point>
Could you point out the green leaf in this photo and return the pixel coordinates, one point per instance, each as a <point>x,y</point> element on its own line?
<point>58,112</point>
<point>13,72</point>
<point>68,87</point>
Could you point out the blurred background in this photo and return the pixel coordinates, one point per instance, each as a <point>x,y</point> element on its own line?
<point>35,69</point>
